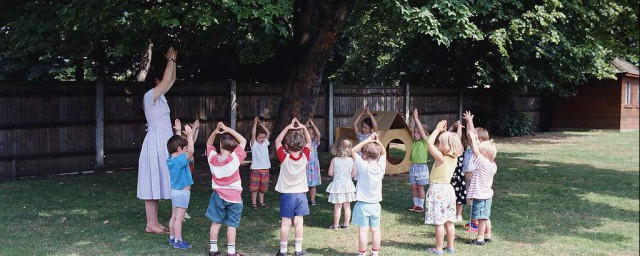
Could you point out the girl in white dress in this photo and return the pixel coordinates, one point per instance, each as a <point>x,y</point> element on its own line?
<point>341,189</point>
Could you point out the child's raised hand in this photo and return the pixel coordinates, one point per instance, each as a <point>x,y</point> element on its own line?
<point>256,120</point>
<point>196,124</point>
<point>415,113</point>
<point>441,126</point>
<point>188,130</point>
<point>467,116</point>
<point>458,124</point>
<point>177,125</point>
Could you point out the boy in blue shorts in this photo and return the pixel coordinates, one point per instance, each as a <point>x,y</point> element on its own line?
<point>366,213</point>
<point>292,183</point>
<point>181,180</point>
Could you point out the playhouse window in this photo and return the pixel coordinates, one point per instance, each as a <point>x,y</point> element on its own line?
<point>628,98</point>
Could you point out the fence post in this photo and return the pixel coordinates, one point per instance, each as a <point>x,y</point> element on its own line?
<point>406,102</point>
<point>460,101</point>
<point>232,104</point>
<point>99,125</point>
<point>330,122</point>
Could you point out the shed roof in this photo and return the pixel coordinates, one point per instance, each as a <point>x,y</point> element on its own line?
<point>625,67</point>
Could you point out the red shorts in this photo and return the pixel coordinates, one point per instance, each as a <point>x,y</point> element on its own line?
<point>259,180</point>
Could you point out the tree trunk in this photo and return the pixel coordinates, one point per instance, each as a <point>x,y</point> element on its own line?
<point>79,72</point>
<point>315,29</point>
<point>145,63</point>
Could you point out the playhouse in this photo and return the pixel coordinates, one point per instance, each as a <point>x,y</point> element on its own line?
<point>394,132</point>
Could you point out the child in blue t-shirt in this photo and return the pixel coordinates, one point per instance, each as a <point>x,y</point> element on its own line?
<point>181,180</point>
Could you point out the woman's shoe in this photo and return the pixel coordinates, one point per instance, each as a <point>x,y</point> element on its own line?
<point>150,230</point>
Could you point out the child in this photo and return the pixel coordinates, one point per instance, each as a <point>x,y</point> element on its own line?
<point>368,126</point>
<point>480,186</point>
<point>441,198</point>
<point>457,181</point>
<point>370,170</point>
<point>225,204</point>
<point>292,183</point>
<point>341,189</point>
<point>419,171</point>
<point>483,135</point>
<point>195,127</point>
<point>313,168</point>
<point>181,180</point>
<point>260,163</point>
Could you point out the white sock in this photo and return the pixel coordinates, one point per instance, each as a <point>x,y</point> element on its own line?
<point>415,201</point>
<point>374,253</point>
<point>213,245</point>
<point>283,247</point>
<point>362,253</point>
<point>298,244</point>
<point>231,248</point>
<point>421,202</point>
<point>178,240</point>
<point>172,237</point>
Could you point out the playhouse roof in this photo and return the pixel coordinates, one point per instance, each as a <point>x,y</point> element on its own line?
<point>387,120</point>
<point>625,67</point>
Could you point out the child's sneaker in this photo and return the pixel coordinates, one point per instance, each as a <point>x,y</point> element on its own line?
<point>476,242</point>
<point>280,254</point>
<point>459,219</point>
<point>488,240</point>
<point>182,245</point>
<point>186,216</point>
<point>434,251</point>
<point>413,208</point>
<point>172,241</point>
<point>419,209</point>
<point>300,253</point>
<point>214,253</point>
<point>450,250</point>
<point>235,254</point>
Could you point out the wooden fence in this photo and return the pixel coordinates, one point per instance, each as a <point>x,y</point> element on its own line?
<point>62,127</point>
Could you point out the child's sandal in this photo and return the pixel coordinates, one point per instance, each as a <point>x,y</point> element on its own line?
<point>254,206</point>
<point>263,205</point>
<point>344,226</point>
<point>332,227</point>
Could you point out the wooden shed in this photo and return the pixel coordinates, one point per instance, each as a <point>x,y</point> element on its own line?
<point>394,132</point>
<point>611,104</point>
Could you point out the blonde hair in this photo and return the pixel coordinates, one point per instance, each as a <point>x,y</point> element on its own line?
<point>371,151</point>
<point>424,127</point>
<point>488,149</point>
<point>483,134</point>
<point>450,143</point>
<point>342,147</point>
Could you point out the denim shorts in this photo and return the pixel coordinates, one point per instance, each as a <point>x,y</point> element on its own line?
<point>366,214</point>
<point>481,209</point>
<point>293,204</point>
<point>180,198</point>
<point>221,211</point>
<point>419,174</point>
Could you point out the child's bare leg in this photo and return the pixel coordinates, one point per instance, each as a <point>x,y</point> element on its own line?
<point>458,210</point>
<point>376,238</point>
<point>298,224</point>
<point>312,192</point>
<point>347,213</point>
<point>414,190</point>
<point>172,221</point>
<point>176,228</point>
<point>439,237</point>
<point>253,197</point>
<point>487,231</point>
<point>451,233</point>
<point>261,197</point>
<point>285,226</point>
<point>482,227</point>
<point>214,230</point>
<point>362,238</point>
<point>231,235</point>
<point>421,193</point>
<point>337,208</point>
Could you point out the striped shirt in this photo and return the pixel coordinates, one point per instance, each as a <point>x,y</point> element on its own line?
<point>293,171</point>
<point>482,179</point>
<point>225,173</point>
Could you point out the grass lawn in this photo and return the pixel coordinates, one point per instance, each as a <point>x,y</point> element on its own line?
<point>570,193</point>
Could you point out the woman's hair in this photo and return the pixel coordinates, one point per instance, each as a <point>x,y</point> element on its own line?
<point>368,122</point>
<point>174,142</point>
<point>342,147</point>
<point>150,79</point>
<point>294,141</point>
<point>228,142</point>
<point>371,151</point>
<point>450,144</point>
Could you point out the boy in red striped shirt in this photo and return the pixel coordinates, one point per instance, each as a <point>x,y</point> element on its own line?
<point>225,205</point>
<point>480,186</point>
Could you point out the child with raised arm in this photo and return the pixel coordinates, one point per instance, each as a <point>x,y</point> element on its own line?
<point>419,171</point>
<point>180,151</point>
<point>260,163</point>
<point>441,199</point>
<point>195,127</point>
<point>370,168</point>
<point>457,181</point>
<point>367,127</point>
<point>225,204</point>
<point>292,183</point>
<point>341,189</point>
<point>468,168</point>
<point>313,168</point>
<point>480,186</point>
